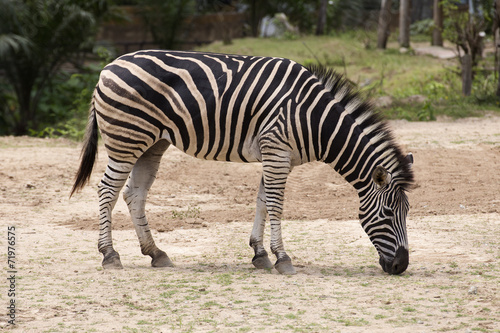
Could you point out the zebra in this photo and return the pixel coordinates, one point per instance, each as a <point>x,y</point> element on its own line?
<point>243,109</point>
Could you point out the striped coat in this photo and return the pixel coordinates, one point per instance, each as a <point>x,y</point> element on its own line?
<point>243,109</point>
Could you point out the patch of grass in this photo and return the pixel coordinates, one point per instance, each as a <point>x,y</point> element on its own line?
<point>353,321</point>
<point>224,279</point>
<point>211,304</point>
<point>190,212</point>
<point>382,73</point>
<point>409,309</point>
<point>370,68</point>
<point>169,293</point>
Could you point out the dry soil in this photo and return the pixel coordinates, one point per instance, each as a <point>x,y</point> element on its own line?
<point>201,214</point>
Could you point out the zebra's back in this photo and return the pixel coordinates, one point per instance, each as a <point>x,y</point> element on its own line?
<point>210,106</point>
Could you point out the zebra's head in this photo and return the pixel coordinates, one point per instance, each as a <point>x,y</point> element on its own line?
<point>383,212</point>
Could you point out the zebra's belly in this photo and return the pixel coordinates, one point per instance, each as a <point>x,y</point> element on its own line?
<point>230,152</point>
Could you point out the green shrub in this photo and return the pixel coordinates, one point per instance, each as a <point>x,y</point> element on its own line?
<point>63,109</point>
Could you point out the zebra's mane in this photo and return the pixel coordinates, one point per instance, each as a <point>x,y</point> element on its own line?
<point>367,118</point>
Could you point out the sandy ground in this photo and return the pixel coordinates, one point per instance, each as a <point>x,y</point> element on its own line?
<point>201,214</point>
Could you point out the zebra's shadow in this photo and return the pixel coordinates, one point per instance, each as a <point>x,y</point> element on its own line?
<point>312,270</point>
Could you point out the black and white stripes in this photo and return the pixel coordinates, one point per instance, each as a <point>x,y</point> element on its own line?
<point>243,109</point>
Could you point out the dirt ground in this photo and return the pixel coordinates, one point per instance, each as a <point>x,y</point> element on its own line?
<point>201,214</point>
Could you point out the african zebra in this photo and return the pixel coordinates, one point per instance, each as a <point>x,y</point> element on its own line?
<point>242,109</point>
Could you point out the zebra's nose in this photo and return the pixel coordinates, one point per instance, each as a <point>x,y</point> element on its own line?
<point>398,265</point>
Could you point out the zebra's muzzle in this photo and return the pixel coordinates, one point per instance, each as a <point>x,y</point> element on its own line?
<point>398,265</point>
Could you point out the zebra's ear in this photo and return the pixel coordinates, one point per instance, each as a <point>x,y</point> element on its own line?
<point>380,176</point>
<point>409,159</point>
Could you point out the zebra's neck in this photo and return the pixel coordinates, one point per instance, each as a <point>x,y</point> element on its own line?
<point>354,153</point>
<point>353,139</point>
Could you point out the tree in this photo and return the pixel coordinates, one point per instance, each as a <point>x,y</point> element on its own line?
<point>36,38</point>
<point>466,30</point>
<point>404,23</point>
<point>166,19</point>
<point>383,24</point>
<point>258,10</point>
<point>496,32</point>
<point>437,32</point>
<point>320,27</point>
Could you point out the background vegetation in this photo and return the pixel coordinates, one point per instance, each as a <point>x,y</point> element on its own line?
<point>49,63</point>
<point>421,87</point>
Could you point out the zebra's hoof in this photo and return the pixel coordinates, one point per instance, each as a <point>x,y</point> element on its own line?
<point>160,259</point>
<point>284,266</point>
<point>262,262</point>
<point>112,261</point>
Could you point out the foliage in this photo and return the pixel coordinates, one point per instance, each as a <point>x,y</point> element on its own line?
<point>65,104</point>
<point>303,13</point>
<point>442,97</point>
<point>36,38</point>
<point>423,27</point>
<point>166,19</point>
<point>381,73</point>
<point>464,29</point>
<point>344,15</point>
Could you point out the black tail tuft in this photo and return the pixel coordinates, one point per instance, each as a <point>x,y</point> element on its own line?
<point>89,152</point>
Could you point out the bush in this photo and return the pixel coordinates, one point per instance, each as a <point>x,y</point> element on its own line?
<point>36,39</point>
<point>423,27</point>
<point>64,107</point>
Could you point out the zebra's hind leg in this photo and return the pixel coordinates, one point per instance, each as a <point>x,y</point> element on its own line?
<point>135,194</point>
<point>276,167</point>
<point>114,178</point>
<point>261,258</point>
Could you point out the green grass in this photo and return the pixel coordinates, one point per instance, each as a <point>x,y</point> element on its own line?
<point>191,212</point>
<point>382,73</point>
<point>347,54</point>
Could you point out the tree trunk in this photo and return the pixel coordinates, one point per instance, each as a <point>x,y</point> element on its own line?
<point>320,28</point>
<point>437,32</point>
<point>497,41</point>
<point>21,126</point>
<point>254,19</point>
<point>404,23</point>
<point>466,74</point>
<point>497,55</point>
<point>383,24</point>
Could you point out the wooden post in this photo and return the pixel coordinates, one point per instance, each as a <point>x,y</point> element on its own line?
<point>404,23</point>
<point>383,24</point>
<point>466,74</point>
<point>437,33</point>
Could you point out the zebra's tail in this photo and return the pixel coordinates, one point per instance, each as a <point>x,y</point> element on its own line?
<point>89,152</point>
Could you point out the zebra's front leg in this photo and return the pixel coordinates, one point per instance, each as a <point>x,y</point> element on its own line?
<point>276,167</point>
<point>141,178</point>
<point>261,258</point>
